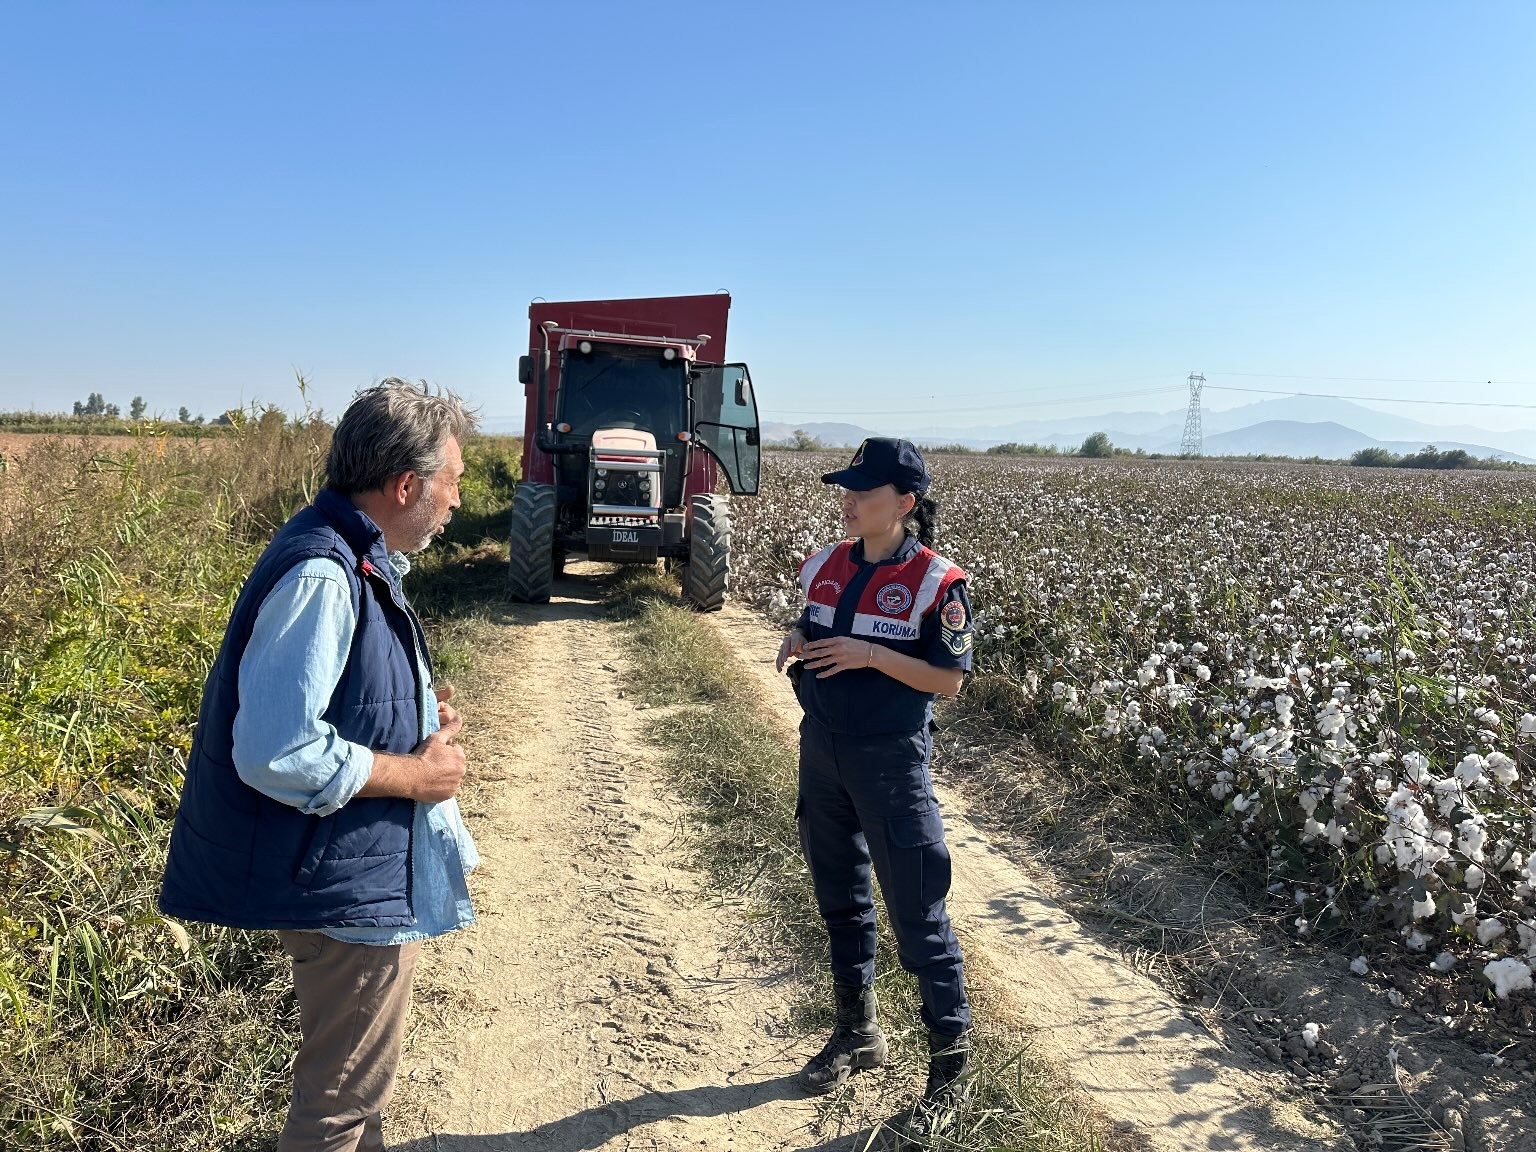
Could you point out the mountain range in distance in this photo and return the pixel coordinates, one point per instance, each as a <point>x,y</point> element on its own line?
<point>1299,426</point>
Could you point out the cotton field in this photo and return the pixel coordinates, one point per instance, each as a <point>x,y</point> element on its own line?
<point>1341,662</point>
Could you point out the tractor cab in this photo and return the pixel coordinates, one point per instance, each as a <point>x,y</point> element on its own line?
<point>632,431</point>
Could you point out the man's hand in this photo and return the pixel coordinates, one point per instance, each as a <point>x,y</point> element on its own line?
<point>838,654</point>
<point>431,773</point>
<point>792,646</point>
<point>445,714</point>
<point>442,763</point>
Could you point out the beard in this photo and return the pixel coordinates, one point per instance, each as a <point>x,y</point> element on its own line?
<point>420,524</point>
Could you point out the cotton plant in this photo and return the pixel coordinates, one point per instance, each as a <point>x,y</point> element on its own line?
<point>1339,662</point>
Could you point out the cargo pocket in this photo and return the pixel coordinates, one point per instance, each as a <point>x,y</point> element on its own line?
<point>920,866</point>
<point>314,851</point>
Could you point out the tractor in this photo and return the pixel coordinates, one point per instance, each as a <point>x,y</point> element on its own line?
<point>633,419</point>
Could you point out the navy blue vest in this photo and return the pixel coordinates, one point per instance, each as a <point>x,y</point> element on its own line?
<point>242,859</point>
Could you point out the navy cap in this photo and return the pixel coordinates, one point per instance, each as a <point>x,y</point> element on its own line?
<point>882,460</point>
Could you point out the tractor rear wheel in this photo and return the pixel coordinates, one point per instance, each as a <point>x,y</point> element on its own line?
<point>706,576</point>
<point>531,569</point>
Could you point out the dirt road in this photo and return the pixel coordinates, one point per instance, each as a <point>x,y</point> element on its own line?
<point>599,1006</point>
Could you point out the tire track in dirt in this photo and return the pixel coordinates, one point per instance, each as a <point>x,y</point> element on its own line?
<point>598,1004</point>
<point>1138,1056</point>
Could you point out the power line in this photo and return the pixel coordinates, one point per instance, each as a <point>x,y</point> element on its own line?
<point>1374,379</point>
<point>1376,399</point>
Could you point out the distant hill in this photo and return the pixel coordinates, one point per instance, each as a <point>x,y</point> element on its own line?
<point>832,435</point>
<point>1298,426</point>
<point>1326,439</point>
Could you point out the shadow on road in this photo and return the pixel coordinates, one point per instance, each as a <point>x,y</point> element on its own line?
<point>594,1127</point>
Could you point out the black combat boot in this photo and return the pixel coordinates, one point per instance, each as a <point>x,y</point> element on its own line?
<point>948,1090</point>
<point>856,1044</point>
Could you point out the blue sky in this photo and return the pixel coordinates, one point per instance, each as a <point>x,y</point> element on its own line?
<point>918,207</point>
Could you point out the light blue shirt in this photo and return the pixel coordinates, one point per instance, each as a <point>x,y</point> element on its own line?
<point>285,749</point>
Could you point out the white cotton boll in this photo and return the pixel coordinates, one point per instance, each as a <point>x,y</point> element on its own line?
<point>1489,930</point>
<point>1463,915</point>
<point>1527,932</point>
<point>1447,794</point>
<point>1443,962</point>
<point>1308,802</point>
<point>1336,833</point>
<point>1474,877</point>
<point>1359,966</point>
<point>1202,673</point>
<point>1424,907</point>
<point>1415,940</point>
<point>1417,766</point>
<point>1503,768</point>
<point>1508,975</point>
<point>1470,840</point>
<point>1309,1034</point>
<point>1241,803</point>
<point>1528,724</point>
<point>1470,770</point>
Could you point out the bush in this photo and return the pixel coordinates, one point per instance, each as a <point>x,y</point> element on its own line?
<point>1012,449</point>
<point>1097,446</point>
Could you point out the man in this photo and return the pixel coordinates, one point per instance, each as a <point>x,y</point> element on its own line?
<point>319,796</point>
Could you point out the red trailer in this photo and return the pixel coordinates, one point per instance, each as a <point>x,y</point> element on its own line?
<point>633,419</point>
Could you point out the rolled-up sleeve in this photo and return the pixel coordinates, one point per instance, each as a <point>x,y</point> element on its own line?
<point>284,748</point>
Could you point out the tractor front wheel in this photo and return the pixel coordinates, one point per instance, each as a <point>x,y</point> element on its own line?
<point>531,569</point>
<point>706,576</point>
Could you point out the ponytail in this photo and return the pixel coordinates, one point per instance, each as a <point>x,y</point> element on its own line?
<point>923,521</point>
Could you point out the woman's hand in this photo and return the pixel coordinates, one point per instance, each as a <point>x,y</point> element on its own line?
<point>792,646</point>
<point>839,654</point>
<point>446,715</point>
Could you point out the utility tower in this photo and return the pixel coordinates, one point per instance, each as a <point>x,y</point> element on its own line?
<point>1193,438</point>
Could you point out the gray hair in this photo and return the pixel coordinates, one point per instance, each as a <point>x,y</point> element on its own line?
<point>390,428</point>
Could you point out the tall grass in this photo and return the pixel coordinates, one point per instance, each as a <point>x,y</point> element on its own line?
<point>117,573</point>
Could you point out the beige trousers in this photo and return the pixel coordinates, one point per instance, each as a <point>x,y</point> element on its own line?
<point>353,1000</point>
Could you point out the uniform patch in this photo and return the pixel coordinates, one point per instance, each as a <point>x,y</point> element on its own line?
<point>837,589</point>
<point>858,457</point>
<point>957,642</point>
<point>894,599</point>
<point>953,616</point>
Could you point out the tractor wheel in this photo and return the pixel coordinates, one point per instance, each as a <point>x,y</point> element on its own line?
<point>706,576</point>
<point>531,569</point>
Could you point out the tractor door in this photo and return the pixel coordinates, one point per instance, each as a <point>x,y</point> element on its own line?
<point>725,422</point>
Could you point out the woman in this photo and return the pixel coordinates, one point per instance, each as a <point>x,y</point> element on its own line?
<point>886,627</point>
